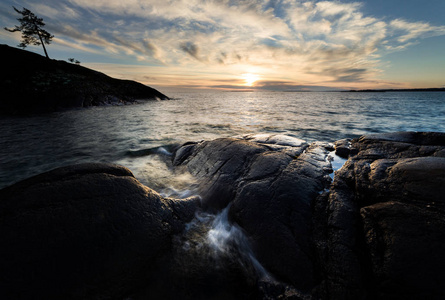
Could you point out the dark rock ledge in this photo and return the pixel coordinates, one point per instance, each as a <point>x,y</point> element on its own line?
<point>89,231</point>
<point>377,231</point>
<point>31,83</point>
<point>380,231</point>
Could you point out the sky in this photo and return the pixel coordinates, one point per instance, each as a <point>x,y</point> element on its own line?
<point>244,45</point>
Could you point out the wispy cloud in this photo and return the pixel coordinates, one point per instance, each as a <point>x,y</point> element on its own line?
<point>408,31</point>
<point>303,42</point>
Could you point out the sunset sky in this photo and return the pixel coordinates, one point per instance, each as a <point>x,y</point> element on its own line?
<point>247,44</point>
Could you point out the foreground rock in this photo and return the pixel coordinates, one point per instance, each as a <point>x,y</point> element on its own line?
<point>270,224</point>
<point>90,231</point>
<point>270,182</point>
<point>31,83</point>
<point>379,232</point>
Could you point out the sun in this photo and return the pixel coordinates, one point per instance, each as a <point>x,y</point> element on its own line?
<point>250,78</point>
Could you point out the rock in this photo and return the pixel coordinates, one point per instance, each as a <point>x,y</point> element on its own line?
<point>270,188</point>
<point>406,246</point>
<point>31,83</point>
<point>409,137</point>
<point>218,164</point>
<point>271,290</point>
<point>275,211</point>
<point>206,263</point>
<point>380,230</point>
<point>335,236</point>
<point>343,148</point>
<point>89,231</point>
<point>371,235</point>
<point>270,225</point>
<point>400,145</point>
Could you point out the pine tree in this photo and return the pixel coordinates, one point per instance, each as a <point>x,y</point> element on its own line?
<point>32,30</point>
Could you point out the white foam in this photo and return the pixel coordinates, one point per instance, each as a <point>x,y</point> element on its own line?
<point>224,235</point>
<point>337,162</point>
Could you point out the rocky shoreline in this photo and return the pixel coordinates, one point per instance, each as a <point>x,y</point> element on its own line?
<point>31,83</point>
<point>269,224</point>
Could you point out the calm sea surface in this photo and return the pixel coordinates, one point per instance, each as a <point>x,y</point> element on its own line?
<point>31,145</point>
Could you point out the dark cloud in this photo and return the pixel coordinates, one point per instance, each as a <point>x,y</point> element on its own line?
<point>70,32</point>
<point>191,49</point>
<point>275,86</point>
<point>222,58</point>
<point>342,74</point>
<point>233,87</point>
<point>127,44</point>
<point>288,86</point>
<point>349,78</point>
<point>348,75</point>
<point>149,47</point>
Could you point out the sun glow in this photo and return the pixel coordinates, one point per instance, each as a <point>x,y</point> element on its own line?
<point>250,79</point>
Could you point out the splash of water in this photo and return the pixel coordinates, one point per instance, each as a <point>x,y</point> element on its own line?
<point>226,239</point>
<point>157,172</point>
<point>337,162</point>
<point>222,232</point>
<point>211,238</point>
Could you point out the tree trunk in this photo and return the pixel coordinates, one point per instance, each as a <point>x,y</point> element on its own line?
<point>43,45</point>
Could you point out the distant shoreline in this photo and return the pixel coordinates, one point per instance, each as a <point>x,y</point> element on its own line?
<point>398,90</point>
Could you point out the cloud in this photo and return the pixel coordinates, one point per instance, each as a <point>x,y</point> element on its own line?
<point>331,8</point>
<point>406,31</point>
<point>56,11</point>
<point>191,49</point>
<point>289,86</point>
<point>300,41</point>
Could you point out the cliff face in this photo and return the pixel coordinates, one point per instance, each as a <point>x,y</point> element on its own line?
<point>31,83</point>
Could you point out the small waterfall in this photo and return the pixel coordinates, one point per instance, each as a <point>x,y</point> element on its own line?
<point>223,236</point>
<point>223,241</point>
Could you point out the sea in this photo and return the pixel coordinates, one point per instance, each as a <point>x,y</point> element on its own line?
<point>129,135</point>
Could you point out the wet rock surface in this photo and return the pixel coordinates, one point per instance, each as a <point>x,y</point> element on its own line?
<point>380,229</point>
<point>374,233</point>
<point>270,182</point>
<point>88,231</point>
<point>270,224</point>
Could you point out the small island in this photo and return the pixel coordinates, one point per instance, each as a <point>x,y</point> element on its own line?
<point>32,83</point>
<point>398,90</point>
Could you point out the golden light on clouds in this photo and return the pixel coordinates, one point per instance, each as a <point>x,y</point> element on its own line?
<point>284,45</point>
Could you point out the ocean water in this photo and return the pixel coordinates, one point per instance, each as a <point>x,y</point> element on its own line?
<point>122,134</point>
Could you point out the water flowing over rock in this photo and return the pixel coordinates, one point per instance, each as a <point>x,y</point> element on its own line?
<point>270,182</point>
<point>377,232</point>
<point>270,223</point>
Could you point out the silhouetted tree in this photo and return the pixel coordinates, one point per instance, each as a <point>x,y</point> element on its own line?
<point>32,30</point>
<point>74,61</point>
